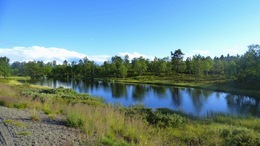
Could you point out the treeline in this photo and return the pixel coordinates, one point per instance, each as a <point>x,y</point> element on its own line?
<point>244,68</point>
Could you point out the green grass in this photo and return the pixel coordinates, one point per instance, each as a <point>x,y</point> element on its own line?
<point>20,78</point>
<point>246,122</point>
<point>75,120</point>
<point>46,109</point>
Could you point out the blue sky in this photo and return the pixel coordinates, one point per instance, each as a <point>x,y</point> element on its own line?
<point>103,28</point>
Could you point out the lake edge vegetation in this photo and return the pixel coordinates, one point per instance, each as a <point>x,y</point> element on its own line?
<point>115,125</point>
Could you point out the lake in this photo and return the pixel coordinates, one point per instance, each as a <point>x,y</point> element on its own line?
<point>197,102</point>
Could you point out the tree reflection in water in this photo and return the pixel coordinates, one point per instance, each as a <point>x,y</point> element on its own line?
<point>159,91</point>
<point>139,92</point>
<point>243,104</point>
<point>198,98</point>
<point>118,90</point>
<point>176,96</point>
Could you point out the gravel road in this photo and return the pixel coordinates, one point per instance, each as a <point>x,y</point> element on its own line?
<point>18,129</point>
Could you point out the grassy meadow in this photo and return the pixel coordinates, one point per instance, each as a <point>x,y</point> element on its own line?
<point>115,125</point>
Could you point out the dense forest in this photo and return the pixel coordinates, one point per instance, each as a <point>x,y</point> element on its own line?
<point>244,68</point>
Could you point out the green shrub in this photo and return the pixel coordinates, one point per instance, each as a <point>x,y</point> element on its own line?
<point>69,95</point>
<point>2,103</point>
<point>111,141</point>
<point>75,120</point>
<point>240,136</point>
<point>46,109</point>
<point>20,105</point>
<point>161,117</point>
<point>165,120</point>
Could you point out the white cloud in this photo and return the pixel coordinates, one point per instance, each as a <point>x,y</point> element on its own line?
<point>133,55</point>
<point>201,52</point>
<point>46,54</point>
<point>49,54</point>
<point>99,58</point>
<point>236,50</point>
<point>217,52</point>
<point>191,53</point>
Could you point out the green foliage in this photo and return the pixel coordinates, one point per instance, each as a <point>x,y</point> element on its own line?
<point>159,66</point>
<point>161,117</point>
<point>4,67</point>
<point>248,122</point>
<point>239,136</point>
<point>122,70</point>
<point>139,65</point>
<point>75,120</point>
<point>2,103</point>
<point>165,120</point>
<point>197,66</point>
<point>111,141</point>
<point>176,59</point>
<point>69,95</point>
<point>46,109</point>
<point>20,105</point>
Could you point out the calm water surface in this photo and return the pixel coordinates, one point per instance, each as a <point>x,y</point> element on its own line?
<point>189,100</point>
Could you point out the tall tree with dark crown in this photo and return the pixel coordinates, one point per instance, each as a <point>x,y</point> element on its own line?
<point>176,59</point>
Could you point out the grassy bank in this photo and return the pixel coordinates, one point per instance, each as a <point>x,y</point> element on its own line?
<point>108,125</point>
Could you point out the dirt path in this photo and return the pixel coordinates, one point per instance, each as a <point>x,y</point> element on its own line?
<point>18,129</point>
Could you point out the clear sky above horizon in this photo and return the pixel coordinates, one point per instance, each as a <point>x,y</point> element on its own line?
<point>103,28</point>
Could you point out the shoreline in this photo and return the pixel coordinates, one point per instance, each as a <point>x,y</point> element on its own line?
<point>218,87</point>
<point>213,86</point>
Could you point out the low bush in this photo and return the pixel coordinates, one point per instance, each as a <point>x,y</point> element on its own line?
<point>161,117</point>
<point>240,136</point>
<point>75,120</point>
<point>20,105</point>
<point>69,95</point>
<point>46,109</point>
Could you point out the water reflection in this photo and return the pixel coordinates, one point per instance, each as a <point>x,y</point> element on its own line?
<point>176,97</point>
<point>159,91</point>
<point>118,90</point>
<point>242,104</point>
<point>193,101</point>
<point>139,92</point>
